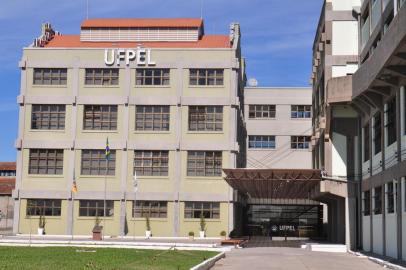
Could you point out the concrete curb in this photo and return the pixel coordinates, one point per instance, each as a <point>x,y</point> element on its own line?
<point>209,263</point>
<point>381,262</point>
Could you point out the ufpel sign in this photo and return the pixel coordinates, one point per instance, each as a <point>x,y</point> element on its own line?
<point>140,55</point>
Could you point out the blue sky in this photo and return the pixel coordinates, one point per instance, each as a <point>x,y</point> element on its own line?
<point>276,37</point>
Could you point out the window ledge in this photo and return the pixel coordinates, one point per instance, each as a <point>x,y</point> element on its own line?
<point>301,119</point>
<point>98,131</point>
<point>101,86</point>
<point>152,177</point>
<point>208,220</point>
<point>151,132</point>
<point>153,86</point>
<point>151,219</point>
<point>48,86</point>
<point>263,118</point>
<point>206,86</point>
<point>205,132</point>
<point>46,217</point>
<point>194,178</point>
<point>110,177</point>
<point>48,130</point>
<point>94,218</point>
<point>46,176</point>
<point>262,149</point>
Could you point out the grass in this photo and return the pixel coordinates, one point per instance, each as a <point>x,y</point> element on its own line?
<point>62,258</point>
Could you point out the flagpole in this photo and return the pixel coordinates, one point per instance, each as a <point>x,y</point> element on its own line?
<point>73,206</point>
<point>104,204</point>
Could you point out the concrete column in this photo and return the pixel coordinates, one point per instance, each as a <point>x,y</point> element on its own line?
<point>398,185</point>
<point>16,218</point>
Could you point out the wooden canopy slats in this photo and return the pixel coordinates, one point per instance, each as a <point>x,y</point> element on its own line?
<point>273,183</point>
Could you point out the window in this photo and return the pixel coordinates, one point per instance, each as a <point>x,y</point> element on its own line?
<point>367,203</point>
<point>366,142</point>
<point>391,197</point>
<point>152,209</point>
<point>377,133</point>
<point>200,163</point>
<point>391,121</point>
<point>50,76</point>
<point>38,207</point>
<point>262,111</point>
<point>151,163</point>
<point>46,161</point>
<point>300,142</point>
<point>209,210</point>
<point>378,201</point>
<point>261,142</point>
<point>94,162</point>
<point>152,76</point>
<point>206,77</point>
<point>152,118</point>
<point>7,173</point>
<point>205,118</point>
<point>301,111</point>
<point>95,208</point>
<point>100,117</point>
<point>101,76</point>
<point>48,117</point>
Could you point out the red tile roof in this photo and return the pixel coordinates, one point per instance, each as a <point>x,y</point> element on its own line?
<point>112,23</point>
<point>73,41</point>
<point>8,166</point>
<point>7,185</point>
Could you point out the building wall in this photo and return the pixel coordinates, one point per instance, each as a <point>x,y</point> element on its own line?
<point>176,188</point>
<point>282,127</point>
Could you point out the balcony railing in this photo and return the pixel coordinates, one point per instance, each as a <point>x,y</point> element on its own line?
<point>385,3</point>
<point>376,14</point>
<point>365,32</point>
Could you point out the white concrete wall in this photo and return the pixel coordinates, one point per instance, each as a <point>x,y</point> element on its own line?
<point>345,38</point>
<point>344,4</point>
<point>376,159</point>
<point>377,222</point>
<point>390,150</point>
<point>402,121</point>
<point>366,233</point>
<point>365,165</point>
<point>390,230</point>
<point>344,70</point>
<point>339,154</point>
<point>404,218</point>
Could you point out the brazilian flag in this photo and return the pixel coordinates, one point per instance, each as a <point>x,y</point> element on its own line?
<point>107,149</point>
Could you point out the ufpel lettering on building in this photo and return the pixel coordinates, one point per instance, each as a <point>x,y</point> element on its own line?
<point>140,55</point>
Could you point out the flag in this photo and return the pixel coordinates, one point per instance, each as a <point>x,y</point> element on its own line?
<point>107,149</point>
<point>135,181</point>
<point>74,187</point>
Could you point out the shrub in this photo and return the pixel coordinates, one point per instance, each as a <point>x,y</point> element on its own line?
<point>191,233</point>
<point>202,223</point>
<point>223,233</point>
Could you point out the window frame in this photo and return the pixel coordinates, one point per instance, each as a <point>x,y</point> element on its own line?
<point>202,77</point>
<point>143,209</point>
<point>390,192</point>
<point>205,163</point>
<point>142,78</point>
<point>102,77</point>
<point>158,116</point>
<point>53,159</point>
<point>378,201</point>
<point>99,159</point>
<point>193,211</point>
<point>59,75</point>
<point>42,119</point>
<point>367,203</point>
<point>259,111</point>
<point>296,140</point>
<point>253,143</point>
<point>98,207</point>
<point>366,150</point>
<point>377,133</point>
<point>390,125</point>
<point>156,162</point>
<point>304,110</point>
<point>100,117</point>
<point>41,207</point>
<point>205,118</point>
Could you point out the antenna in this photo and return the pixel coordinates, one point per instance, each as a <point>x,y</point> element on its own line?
<point>201,9</point>
<point>87,9</point>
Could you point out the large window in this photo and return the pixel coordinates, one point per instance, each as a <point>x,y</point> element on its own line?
<point>101,76</point>
<point>152,209</point>
<point>95,208</point>
<point>261,142</point>
<point>301,111</point>
<point>48,117</point>
<point>209,210</point>
<point>152,76</point>
<point>391,197</point>
<point>151,163</point>
<point>50,76</point>
<point>204,163</point>
<point>94,162</point>
<point>377,133</point>
<point>367,203</point>
<point>100,117</point>
<point>46,161</point>
<point>206,77</point>
<point>378,201</point>
<point>366,142</point>
<point>262,111</point>
<point>41,207</point>
<point>300,142</point>
<point>152,118</point>
<point>205,118</point>
<point>391,121</point>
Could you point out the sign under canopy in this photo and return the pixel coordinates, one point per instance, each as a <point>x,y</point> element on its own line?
<point>273,183</point>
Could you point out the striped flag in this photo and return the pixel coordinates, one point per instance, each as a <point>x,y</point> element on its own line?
<point>107,149</point>
<point>74,187</point>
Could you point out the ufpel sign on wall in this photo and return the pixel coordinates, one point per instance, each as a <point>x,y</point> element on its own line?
<point>116,56</point>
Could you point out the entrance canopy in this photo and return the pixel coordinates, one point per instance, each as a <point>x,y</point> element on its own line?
<point>273,183</point>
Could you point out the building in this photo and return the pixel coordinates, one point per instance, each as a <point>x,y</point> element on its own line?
<point>167,97</point>
<point>335,124</point>
<point>378,93</point>
<point>279,128</point>
<point>7,184</point>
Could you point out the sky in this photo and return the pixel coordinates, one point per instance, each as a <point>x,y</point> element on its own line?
<point>277,36</point>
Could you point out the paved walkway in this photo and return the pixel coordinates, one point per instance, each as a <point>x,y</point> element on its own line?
<point>279,258</point>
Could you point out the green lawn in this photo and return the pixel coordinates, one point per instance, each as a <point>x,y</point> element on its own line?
<point>61,258</point>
